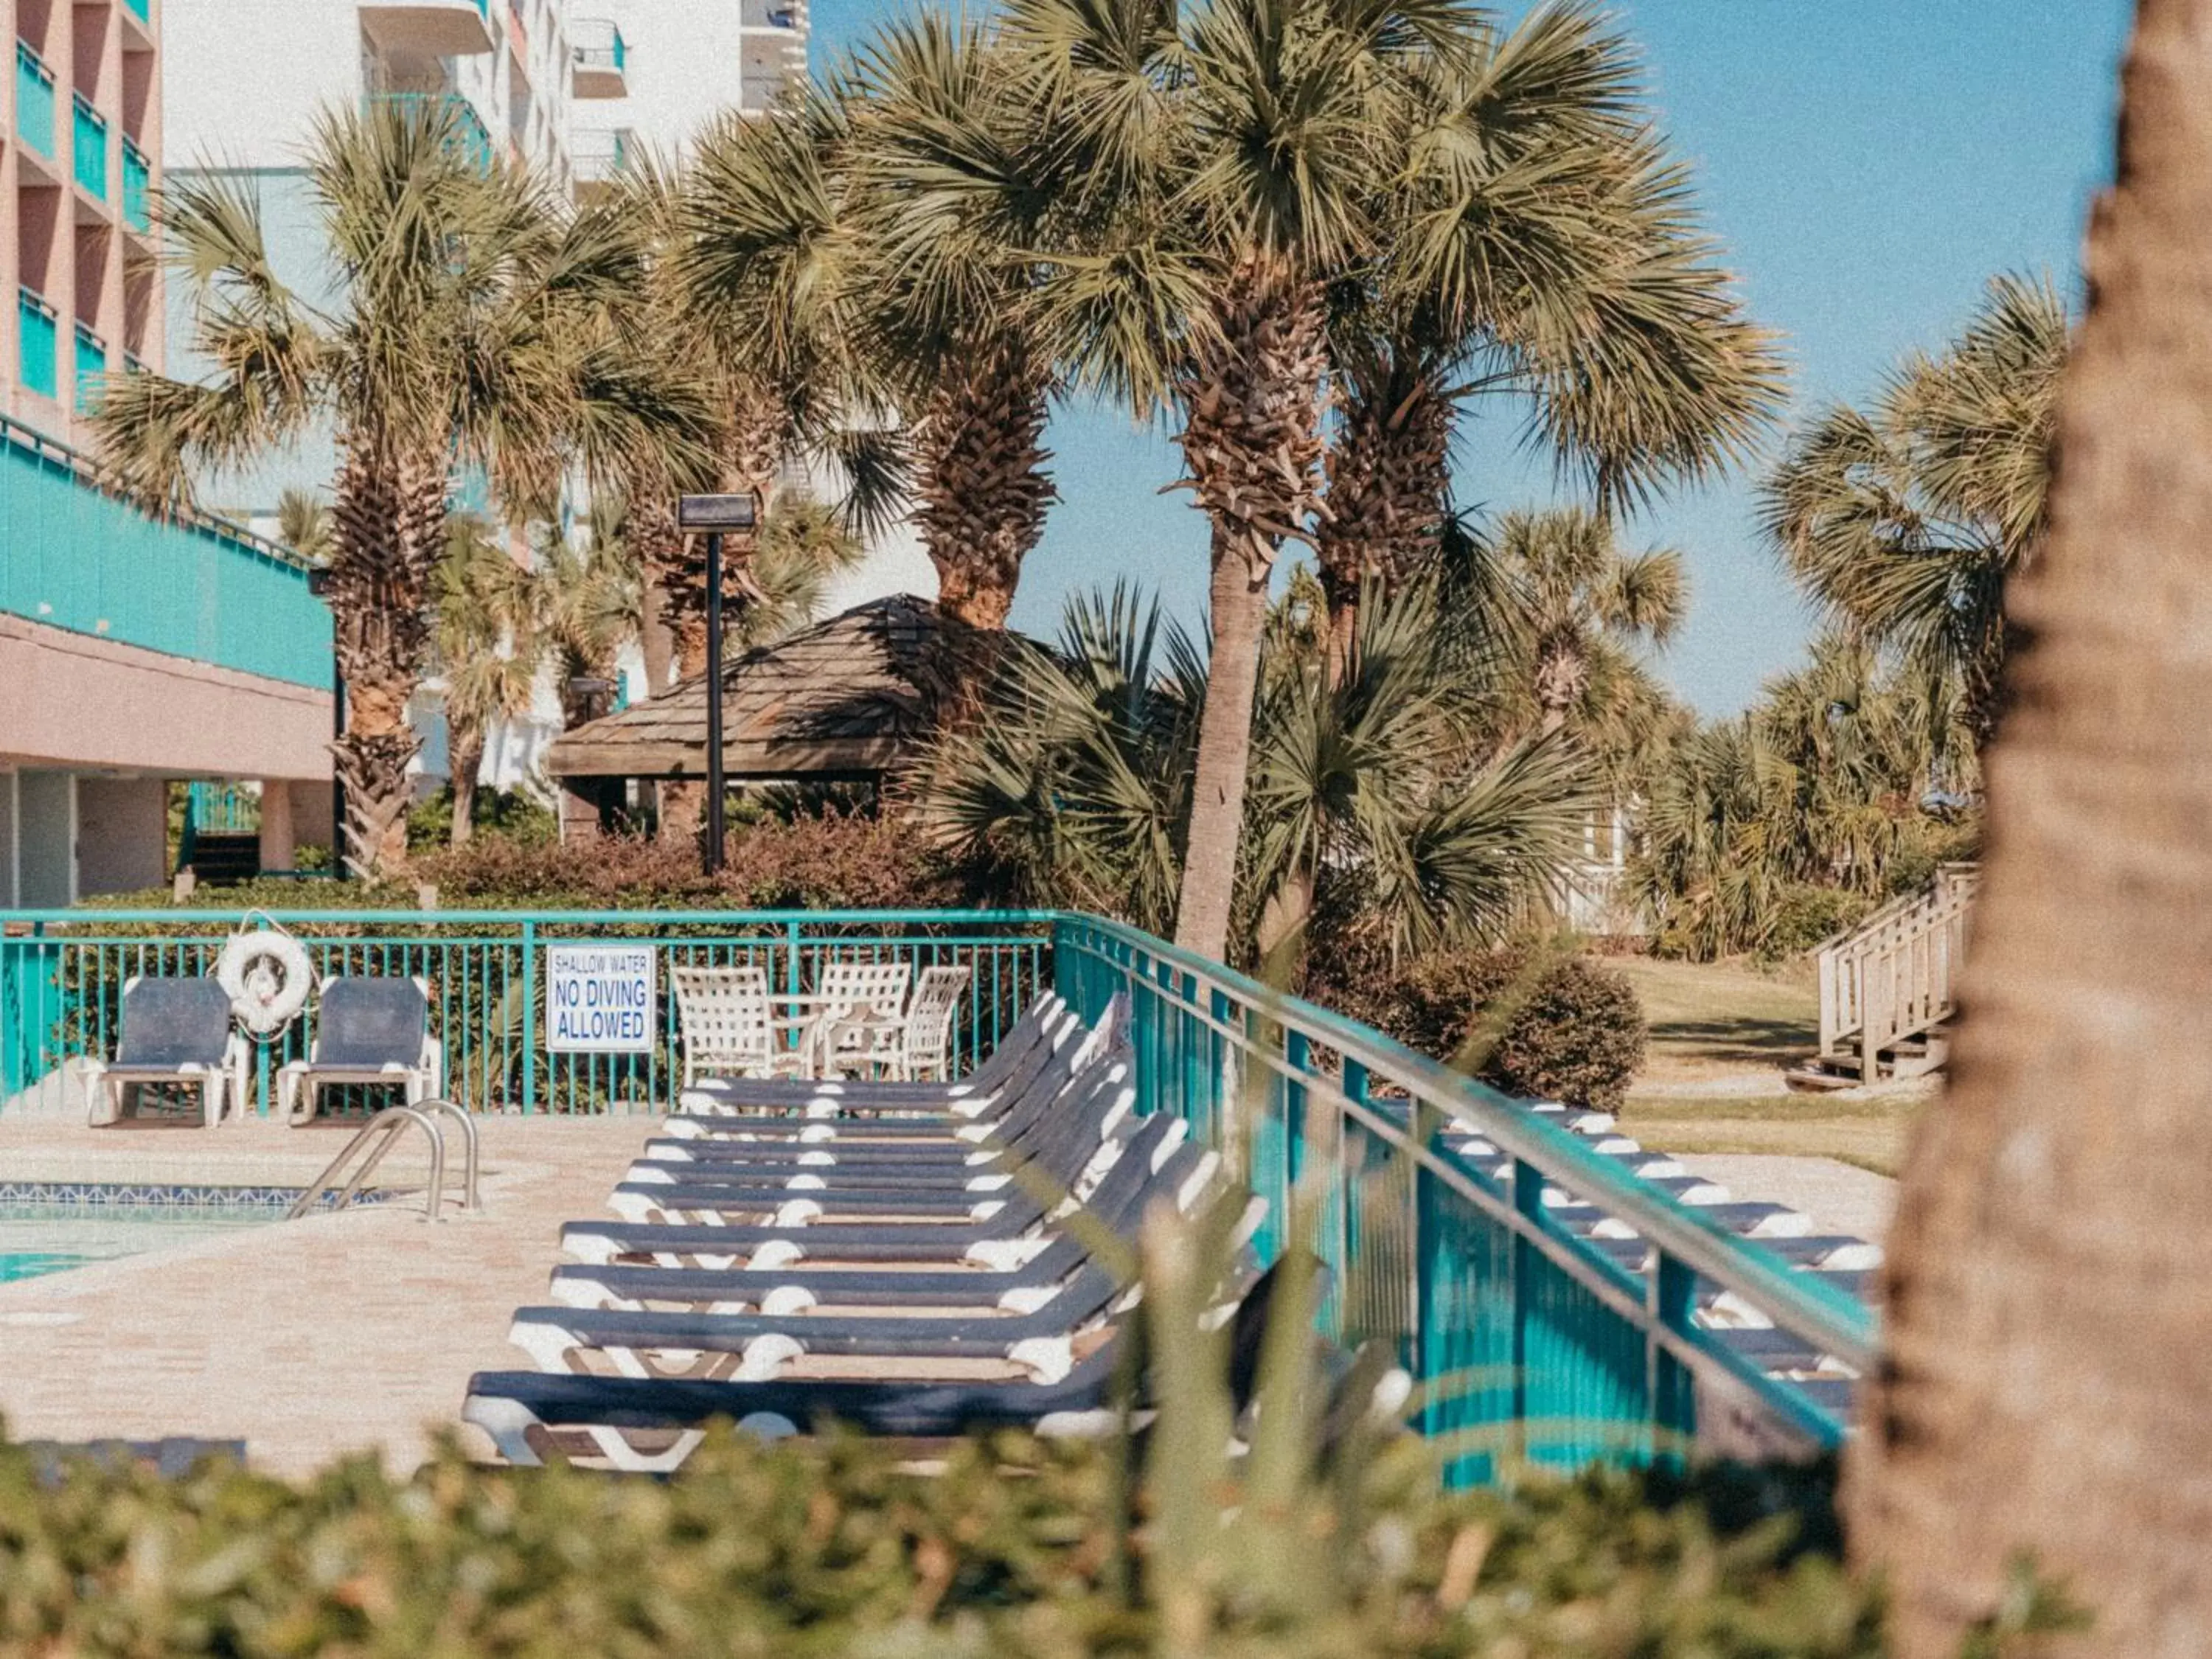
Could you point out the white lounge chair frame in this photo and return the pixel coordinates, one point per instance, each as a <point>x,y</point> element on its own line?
<point>728,1028</point>
<point>843,986</point>
<point>423,1080</point>
<point>108,1082</point>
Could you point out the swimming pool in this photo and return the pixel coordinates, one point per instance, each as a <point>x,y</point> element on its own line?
<point>41,1238</point>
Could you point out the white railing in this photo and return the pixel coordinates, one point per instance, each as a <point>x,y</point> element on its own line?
<point>1893,977</point>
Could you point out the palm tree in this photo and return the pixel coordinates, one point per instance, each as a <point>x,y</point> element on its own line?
<point>484,645</point>
<point>1575,601</point>
<point>1904,521</point>
<point>956,176</point>
<point>2040,1399</point>
<point>1543,252</point>
<point>1373,793</point>
<point>469,327</point>
<point>1227,167</point>
<point>303,524</point>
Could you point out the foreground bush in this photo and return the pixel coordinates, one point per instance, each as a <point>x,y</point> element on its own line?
<point>1568,1029</point>
<point>829,1549</point>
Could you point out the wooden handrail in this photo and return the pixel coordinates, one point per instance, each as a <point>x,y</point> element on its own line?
<point>1892,976</point>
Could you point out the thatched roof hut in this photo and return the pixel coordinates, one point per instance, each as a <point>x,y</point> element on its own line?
<point>842,700</point>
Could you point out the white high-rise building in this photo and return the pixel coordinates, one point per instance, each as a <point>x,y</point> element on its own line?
<point>684,63</point>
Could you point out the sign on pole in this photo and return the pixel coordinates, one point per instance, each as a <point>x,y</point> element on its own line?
<point>599,998</point>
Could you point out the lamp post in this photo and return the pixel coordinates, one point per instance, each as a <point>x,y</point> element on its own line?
<point>715,514</point>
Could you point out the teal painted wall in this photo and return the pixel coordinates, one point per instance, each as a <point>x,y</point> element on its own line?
<point>73,558</point>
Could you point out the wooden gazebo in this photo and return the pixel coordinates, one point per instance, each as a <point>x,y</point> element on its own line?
<point>843,701</point>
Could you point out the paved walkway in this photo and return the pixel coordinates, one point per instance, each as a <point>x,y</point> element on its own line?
<point>304,1340</point>
<point>1839,1197</point>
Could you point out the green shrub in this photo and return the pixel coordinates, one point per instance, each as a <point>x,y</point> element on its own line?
<point>510,814</point>
<point>1578,1036</point>
<point>1568,1029</point>
<point>1807,915</point>
<point>832,1548</point>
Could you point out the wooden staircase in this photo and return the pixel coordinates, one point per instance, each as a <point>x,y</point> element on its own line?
<point>1888,988</point>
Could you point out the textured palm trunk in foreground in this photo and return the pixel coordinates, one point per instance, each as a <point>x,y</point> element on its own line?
<point>2050,1323</point>
<point>1251,440</point>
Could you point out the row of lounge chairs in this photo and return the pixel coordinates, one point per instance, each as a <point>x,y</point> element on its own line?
<point>913,1260</point>
<point>179,1033</point>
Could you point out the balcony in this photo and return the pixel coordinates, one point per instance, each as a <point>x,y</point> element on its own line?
<point>34,100</point>
<point>775,14</point>
<point>137,188</point>
<point>84,560</point>
<point>91,368</point>
<point>469,136</point>
<point>37,343</point>
<point>435,28</point>
<point>88,146</point>
<point>600,60</point>
<point>599,158</point>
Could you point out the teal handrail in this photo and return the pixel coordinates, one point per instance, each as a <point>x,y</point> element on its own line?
<point>91,367</point>
<point>37,343</point>
<point>1531,1344</point>
<point>88,145</point>
<point>34,100</point>
<point>137,187</point>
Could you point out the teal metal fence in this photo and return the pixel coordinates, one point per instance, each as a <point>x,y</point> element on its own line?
<point>82,558</point>
<point>34,100</point>
<point>137,187</point>
<point>1530,1344</point>
<point>223,809</point>
<point>88,145</point>
<point>37,343</point>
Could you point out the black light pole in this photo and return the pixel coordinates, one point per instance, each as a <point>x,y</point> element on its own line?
<point>715,514</point>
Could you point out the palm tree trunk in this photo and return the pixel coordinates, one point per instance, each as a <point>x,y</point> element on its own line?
<point>983,490</point>
<point>1239,596</point>
<point>388,528</point>
<point>1390,475</point>
<point>655,639</point>
<point>467,756</point>
<point>2049,1332</point>
<point>1251,438</point>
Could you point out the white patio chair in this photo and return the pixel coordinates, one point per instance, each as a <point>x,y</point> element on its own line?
<point>728,1028</point>
<point>926,1044</point>
<point>838,1040</point>
<point>369,1030</point>
<point>174,1031</point>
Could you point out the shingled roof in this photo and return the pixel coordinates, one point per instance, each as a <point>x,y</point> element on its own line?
<point>847,696</point>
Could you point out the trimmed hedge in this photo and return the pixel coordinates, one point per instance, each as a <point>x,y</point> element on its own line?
<point>1018,1547</point>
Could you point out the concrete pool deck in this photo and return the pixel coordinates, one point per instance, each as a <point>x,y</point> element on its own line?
<point>308,1338</point>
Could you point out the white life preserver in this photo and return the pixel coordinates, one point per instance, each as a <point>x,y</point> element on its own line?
<point>266,974</point>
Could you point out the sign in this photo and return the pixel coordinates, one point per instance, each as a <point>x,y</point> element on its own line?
<point>599,999</point>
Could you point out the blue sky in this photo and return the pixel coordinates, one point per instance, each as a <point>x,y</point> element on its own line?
<point>1867,165</point>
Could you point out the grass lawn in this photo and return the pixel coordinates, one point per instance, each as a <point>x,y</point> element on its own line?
<point>1720,1036</point>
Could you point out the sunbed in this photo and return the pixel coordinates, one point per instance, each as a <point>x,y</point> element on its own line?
<point>367,1030</point>
<point>175,1031</point>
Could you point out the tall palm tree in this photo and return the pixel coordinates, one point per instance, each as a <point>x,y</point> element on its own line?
<point>1576,599</point>
<point>2041,1397</point>
<point>1904,521</point>
<point>484,645</point>
<point>468,327</point>
<point>1544,251</point>
<point>958,175</point>
<point>1228,160</point>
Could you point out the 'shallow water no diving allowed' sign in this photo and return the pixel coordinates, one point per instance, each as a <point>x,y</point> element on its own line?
<point>599,999</point>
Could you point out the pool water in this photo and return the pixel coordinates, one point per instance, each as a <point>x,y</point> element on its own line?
<point>37,1239</point>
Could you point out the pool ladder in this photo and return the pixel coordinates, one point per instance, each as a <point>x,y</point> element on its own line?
<point>373,1144</point>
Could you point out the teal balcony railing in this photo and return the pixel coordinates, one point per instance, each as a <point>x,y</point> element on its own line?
<point>91,368</point>
<point>34,100</point>
<point>81,558</point>
<point>1439,1205</point>
<point>141,10</point>
<point>602,46</point>
<point>37,343</point>
<point>469,134</point>
<point>137,187</point>
<point>88,145</point>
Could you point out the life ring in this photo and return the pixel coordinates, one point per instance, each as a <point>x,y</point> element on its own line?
<point>266,974</point>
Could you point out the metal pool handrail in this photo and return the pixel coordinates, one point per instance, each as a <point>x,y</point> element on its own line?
<point>384,1130</point>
